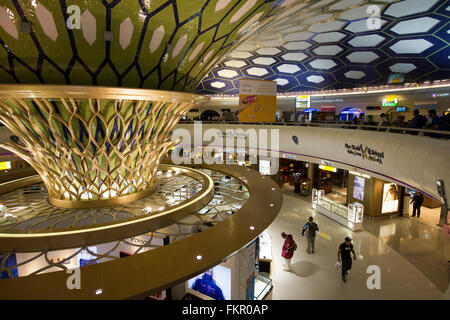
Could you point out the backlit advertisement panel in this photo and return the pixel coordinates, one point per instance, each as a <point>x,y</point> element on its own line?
<point>390,198</point>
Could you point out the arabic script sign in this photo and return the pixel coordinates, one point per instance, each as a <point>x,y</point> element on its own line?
<point>365,152</point>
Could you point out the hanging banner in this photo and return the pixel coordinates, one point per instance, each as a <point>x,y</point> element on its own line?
<point>257,101</point>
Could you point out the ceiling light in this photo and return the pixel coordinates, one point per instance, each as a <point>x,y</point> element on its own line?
<point>199,257</point>
<point>98,291</point>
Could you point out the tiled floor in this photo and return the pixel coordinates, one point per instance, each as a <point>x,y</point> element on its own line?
<point>411,256</point>
<point>428,216</point>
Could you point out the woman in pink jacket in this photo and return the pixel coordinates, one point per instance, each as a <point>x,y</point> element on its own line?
<point>288,250</point>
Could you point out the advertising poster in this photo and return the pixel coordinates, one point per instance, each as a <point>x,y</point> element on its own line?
<point>390,198</point>
<point>358,188</point>
<point>264,167</point>
<point>214,283</point>
<point>257,101</point>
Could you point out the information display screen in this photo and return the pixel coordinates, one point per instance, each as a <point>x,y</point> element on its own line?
<point>390,198</point>
<point>215,283</point>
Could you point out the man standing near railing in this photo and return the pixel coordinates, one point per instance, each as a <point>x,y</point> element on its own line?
<point>418,122</point>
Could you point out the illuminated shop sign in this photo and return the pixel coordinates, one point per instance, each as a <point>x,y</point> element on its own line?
<point>302,102</point>
<point>5,165</point>
<point>440,95</point>
<point>390,101</point>
<point>327,166</point>
<point>328,109</point>
<point>288,156</point>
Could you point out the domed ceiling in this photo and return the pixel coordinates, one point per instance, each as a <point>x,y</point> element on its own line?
<point>156,44</point>
<point>334,44</point>
<point>174,44</point>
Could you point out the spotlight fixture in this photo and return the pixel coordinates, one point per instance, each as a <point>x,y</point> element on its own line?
<point>98,292</point>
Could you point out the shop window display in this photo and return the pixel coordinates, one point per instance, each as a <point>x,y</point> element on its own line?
<point>214,283</point>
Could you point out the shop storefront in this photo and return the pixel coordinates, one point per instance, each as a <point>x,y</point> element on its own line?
<point>245,275</point>
<point>347,114</point>
<point>332,180</point>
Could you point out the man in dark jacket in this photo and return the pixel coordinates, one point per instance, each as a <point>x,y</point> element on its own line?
<point>310,228</point>
<point>418,122</point>
<point>417,202</point>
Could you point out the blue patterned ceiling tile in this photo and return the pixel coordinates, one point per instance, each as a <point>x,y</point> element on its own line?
<point>368,40</point>
<point>227,73</point>
<point>361,56</point>
<point>416,26</point>
<point>444,9</point>
<point>413,46</point>
<point>413,68</point>
<point>444,32</point>
<point>356,75</point>
<point>218,85</point>
<point>328,50</point>
<point>408,8</point>
<point>205,91</point>
<point>316,80</point>
<point>257,71</point>
<point>323,64</point>
<point>436,75</point>
<point>303,88</point>
<point>288,68</point>
<point>442,59</point>
<point>284,82</point>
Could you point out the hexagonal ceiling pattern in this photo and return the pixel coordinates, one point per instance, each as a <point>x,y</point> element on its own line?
<point>334,44</point>
<point>206,46</point>
<point>158,44</point>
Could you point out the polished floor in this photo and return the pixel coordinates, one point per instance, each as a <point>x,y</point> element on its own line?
<point>412,258</point>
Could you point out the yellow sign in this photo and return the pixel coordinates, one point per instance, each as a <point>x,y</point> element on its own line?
<point>5,165</point>
<point>327,168</point>
<point>257,101</point>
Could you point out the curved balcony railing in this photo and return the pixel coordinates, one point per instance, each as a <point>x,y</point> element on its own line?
<point>439,134</point>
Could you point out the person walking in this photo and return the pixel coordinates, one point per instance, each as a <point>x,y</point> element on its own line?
<point>344,254</point>
<point>310,228</point>
<point>417,202</point>
<point>289,246</point>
